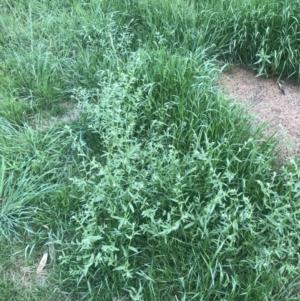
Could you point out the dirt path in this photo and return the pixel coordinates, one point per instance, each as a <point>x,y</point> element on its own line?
<point>265,100</point>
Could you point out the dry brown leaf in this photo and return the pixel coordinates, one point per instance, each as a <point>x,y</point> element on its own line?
<point>42,263</point>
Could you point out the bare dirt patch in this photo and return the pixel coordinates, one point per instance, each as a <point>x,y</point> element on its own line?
<point>72,112</point>
<point>264,100</point>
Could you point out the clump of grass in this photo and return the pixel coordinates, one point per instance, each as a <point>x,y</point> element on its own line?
<point>33,169</point>
<point>162,189</point>
<point>13,110</point>
<point>262,36</point>
<point>171,211</point>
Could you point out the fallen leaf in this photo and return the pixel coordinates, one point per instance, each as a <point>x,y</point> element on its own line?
<point>42,263</point>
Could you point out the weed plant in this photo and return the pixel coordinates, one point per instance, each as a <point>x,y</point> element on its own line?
<point>162,189</point>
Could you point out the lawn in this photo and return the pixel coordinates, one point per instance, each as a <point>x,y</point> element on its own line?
<point>161,188</point>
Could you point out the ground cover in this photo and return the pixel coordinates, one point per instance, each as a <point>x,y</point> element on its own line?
<point>160,188</point>
<point>262,96</point>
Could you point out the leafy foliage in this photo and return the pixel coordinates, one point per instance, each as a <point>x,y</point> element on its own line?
<point>162,189</point>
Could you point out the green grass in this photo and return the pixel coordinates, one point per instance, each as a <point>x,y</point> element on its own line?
<point>19,281</point>
<point>162,189</point>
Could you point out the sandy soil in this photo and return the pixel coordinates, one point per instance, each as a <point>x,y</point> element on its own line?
<point>265,100</point>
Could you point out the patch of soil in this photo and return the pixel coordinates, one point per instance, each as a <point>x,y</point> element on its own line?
<point>71,114</point>
<point>265,100</point>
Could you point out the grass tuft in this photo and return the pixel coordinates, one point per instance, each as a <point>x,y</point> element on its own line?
<point>160,189</point>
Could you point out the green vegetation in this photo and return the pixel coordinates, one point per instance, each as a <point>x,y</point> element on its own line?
<point>18,281</point>
<point>161,189</point>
